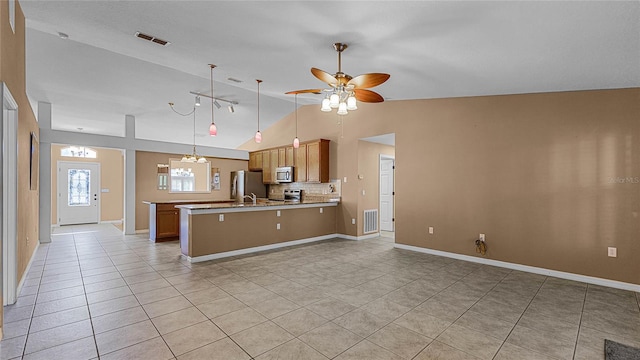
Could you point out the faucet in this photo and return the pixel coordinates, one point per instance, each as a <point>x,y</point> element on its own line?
<point>252,197</point>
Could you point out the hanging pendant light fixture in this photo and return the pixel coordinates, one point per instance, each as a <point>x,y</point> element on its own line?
<point>258,137</point>
<point>296,141</point>
<point>213,129</point>
<point>193,157</point>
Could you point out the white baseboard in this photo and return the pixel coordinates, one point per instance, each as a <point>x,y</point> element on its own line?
<point>363,237</point>
<point>26,271</point>
<point>258,248</point>
<point>527,268</point>
<point>111,222</point>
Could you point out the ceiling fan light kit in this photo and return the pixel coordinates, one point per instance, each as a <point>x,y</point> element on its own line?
<point>345,91</point>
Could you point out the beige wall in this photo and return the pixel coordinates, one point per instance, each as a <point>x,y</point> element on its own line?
<point>530,171</point>
<point>146,182</point>
<point>369,167</point>
<point>111,177</point>
<point>12,72</point>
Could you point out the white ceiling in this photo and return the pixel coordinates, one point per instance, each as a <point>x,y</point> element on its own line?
<point>431,49</point>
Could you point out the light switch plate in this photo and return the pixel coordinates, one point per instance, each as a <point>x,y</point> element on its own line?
<point>221,217</point>
<point>321,210</point>
<point>278,226</point>
<point>278,213</point>
<point>431,230</point>
<point>612,252</point>
<point>353,221</point>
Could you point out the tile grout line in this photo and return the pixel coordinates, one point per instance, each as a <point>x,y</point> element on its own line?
<point>584,303</point>
<point>24,349</point>
<point>93,332</point>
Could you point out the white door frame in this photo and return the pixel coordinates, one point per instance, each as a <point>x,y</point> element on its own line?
<point>9,197</point>
<point>387,157</point>
<point>98,189</point>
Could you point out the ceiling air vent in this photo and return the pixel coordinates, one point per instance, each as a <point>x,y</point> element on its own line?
<point>152,39</point>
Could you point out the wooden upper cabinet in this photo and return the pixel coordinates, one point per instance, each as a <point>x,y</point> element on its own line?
<point>274,164</point>
<point>310,162</point>
<point>301,164</point>
<point>318,161</point>
<point>289,160</point>
<point>255,161</point>
<point>266,167</point>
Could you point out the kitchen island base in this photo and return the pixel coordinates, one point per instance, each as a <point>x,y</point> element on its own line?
<point>214,232</point>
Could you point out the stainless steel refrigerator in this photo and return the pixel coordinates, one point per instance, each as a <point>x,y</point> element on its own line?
<point>247,182</point>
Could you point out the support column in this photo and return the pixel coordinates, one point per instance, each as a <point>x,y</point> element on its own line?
<point>130,177</point>
<point>44,122</point>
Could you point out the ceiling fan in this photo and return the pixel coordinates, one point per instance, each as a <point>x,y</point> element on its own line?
<point>345,89</point>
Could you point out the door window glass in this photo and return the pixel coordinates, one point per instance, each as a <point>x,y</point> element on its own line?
<point>79,187</point>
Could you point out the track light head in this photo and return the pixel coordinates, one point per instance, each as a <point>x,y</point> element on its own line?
<point>197,100</point>
<point>231,109</point>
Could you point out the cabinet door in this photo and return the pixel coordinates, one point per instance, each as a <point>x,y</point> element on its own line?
<point>318,161</point>
<point>266,167</point>
<point>281,157</point>
<point>313,162</point>
<point>301,163</point>
<point>167,223</point>
<point>288,156</point>
<point>255,161</point>
<point>274,164</point>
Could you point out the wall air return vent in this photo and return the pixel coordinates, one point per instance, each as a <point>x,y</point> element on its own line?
<point>151,38</point>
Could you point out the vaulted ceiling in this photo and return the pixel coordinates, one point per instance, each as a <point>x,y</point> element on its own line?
<point>431,49</point>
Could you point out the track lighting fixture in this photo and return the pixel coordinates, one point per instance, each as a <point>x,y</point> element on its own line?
<point>197,100</point>
<point>231,109</point>
<point>217,104</point>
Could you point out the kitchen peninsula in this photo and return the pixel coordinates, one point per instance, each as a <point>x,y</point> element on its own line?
<point>211,231</point>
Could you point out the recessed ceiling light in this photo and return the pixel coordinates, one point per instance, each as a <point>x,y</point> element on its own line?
<point>63,36</point>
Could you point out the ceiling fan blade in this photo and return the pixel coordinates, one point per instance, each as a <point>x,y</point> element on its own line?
<point>312,91</point>
<point>368,96</point>
<point>324,76</point>
<point>368,80</point>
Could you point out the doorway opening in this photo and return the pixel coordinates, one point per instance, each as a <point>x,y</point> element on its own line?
<point>387,195</point>
<point>8,196</point>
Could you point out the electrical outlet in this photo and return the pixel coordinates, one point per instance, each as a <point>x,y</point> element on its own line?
<point>482,237</point>
<point>345,179</point>
<point>278,226</point>
<point>321,210</point>
<point>431,230</point>
<point>363,192</point>
<point>221,217</point>
<point>278,213</point>
<point>353,221</point>
<point>612,252</point>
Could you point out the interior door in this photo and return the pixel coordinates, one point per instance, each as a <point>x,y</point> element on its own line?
<point>386,194</point>
<point>78,192</point>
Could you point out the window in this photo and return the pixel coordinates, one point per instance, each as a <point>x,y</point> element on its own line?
<point>78,151</point>
<point>79,185</point>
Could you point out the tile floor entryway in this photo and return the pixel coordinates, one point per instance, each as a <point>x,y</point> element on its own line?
<point>94,293</point>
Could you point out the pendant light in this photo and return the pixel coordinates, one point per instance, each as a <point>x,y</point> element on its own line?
<point>213,129</point>
<point>193,157</point>
<point>296,141</point>
<point>258,137</point>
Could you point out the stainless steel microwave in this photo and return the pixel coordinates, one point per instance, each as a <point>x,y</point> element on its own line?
<point>284,174</point>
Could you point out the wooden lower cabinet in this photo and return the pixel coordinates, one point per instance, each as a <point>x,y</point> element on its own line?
<point>167,223</point>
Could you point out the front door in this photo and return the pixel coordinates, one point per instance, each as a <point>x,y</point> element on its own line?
<point>78,192</point>
<point>386,194</point>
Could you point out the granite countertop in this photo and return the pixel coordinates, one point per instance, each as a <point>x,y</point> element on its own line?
<point>187,201</point>
<point>259,204</point>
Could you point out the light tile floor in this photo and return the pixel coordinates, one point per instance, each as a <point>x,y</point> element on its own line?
<point>94,293</point>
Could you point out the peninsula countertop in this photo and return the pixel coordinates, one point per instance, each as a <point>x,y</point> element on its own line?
<point>203,201</point>
<point>259,206</point>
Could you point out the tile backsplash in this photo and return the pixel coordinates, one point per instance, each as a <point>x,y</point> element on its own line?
<point>330,190</point>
